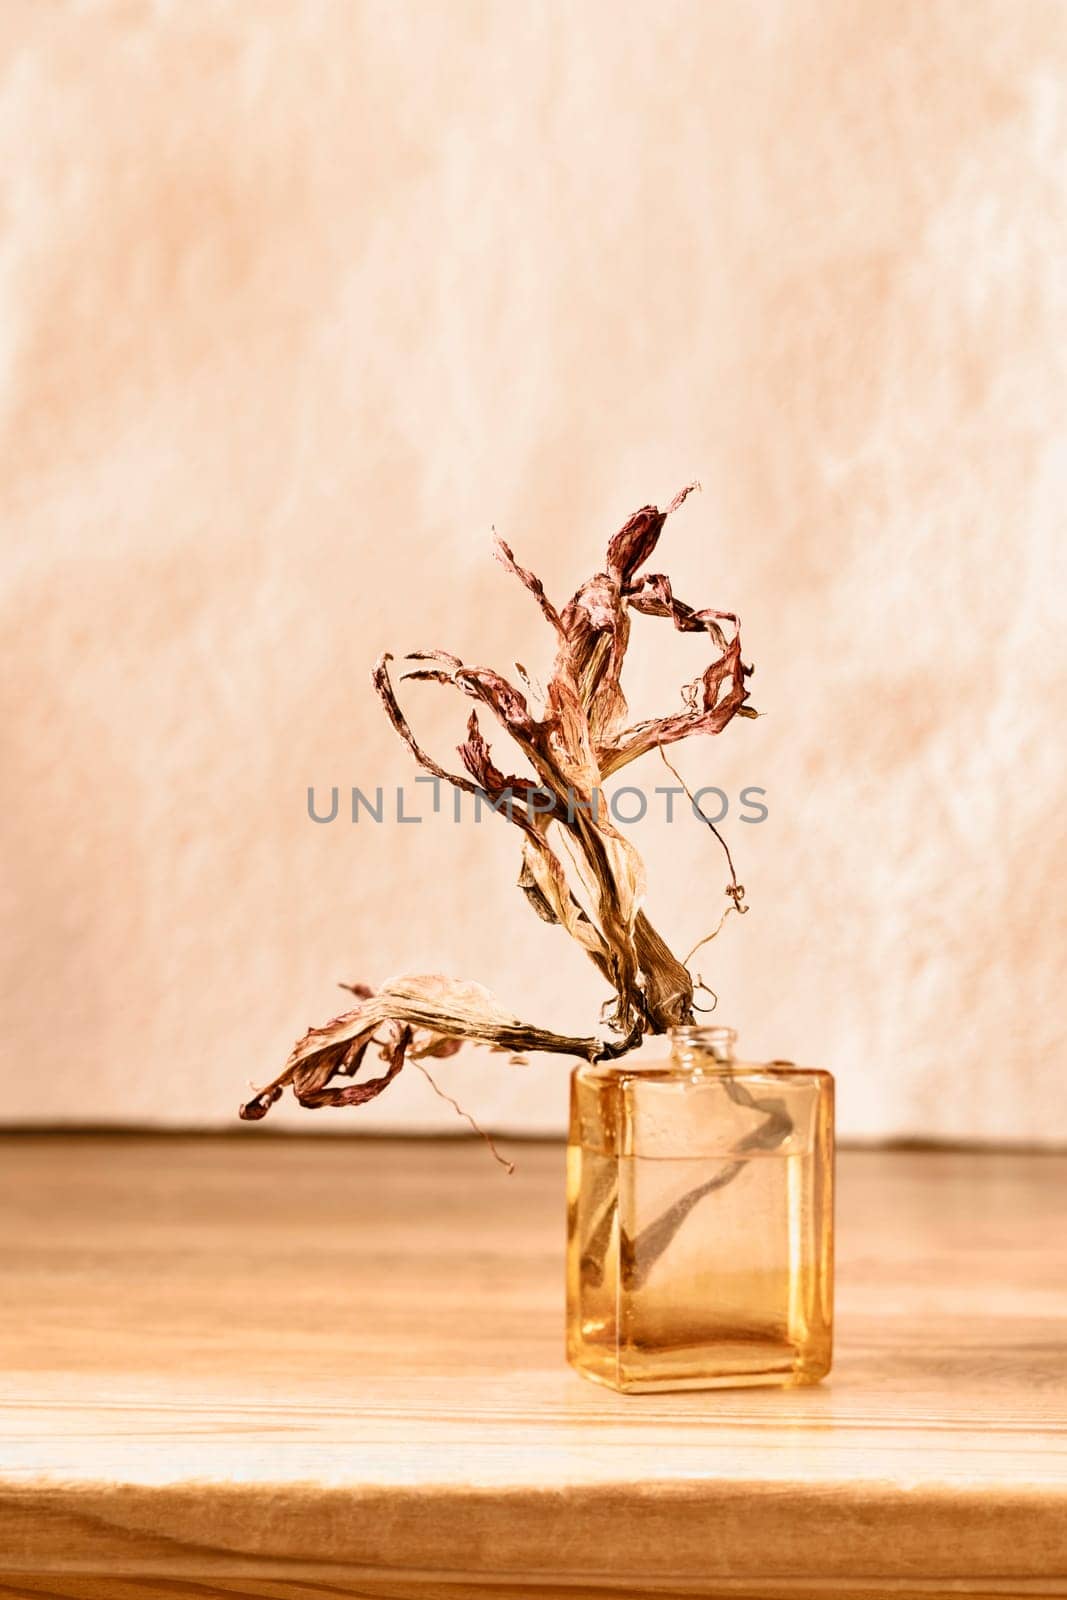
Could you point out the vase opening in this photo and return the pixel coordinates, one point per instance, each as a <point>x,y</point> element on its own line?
<point>693,1046</point>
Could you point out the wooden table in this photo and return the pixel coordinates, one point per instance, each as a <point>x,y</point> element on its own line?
<point>264,1366</point>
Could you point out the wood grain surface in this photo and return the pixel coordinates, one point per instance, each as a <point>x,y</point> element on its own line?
<point>271,1367</point>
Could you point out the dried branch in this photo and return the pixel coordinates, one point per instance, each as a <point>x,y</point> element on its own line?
<point>577,740</point>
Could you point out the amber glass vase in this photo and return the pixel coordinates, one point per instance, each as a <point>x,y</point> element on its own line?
<point>700,1220</point>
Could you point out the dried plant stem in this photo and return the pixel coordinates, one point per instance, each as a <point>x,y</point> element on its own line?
<point>637,1256</point>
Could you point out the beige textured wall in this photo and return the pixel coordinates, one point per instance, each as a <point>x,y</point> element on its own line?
<point>299,298</point>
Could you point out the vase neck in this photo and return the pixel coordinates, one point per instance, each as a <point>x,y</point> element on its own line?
<point>695,1047</point>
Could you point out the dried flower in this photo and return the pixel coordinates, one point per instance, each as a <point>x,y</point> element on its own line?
<point>580,739</point>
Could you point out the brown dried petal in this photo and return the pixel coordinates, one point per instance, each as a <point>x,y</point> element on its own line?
<point>637,538</point>
<point>442,1006</point>
<point>653,596</point>
<point>715,711</point>
<point>357,1094</point>
<point>529,579</point>
<point>478,760</point>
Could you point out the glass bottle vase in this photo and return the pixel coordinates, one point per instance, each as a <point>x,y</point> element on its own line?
<point>700,1220</point>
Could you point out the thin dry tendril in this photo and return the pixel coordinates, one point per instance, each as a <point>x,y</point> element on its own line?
<point>509,1166</point>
